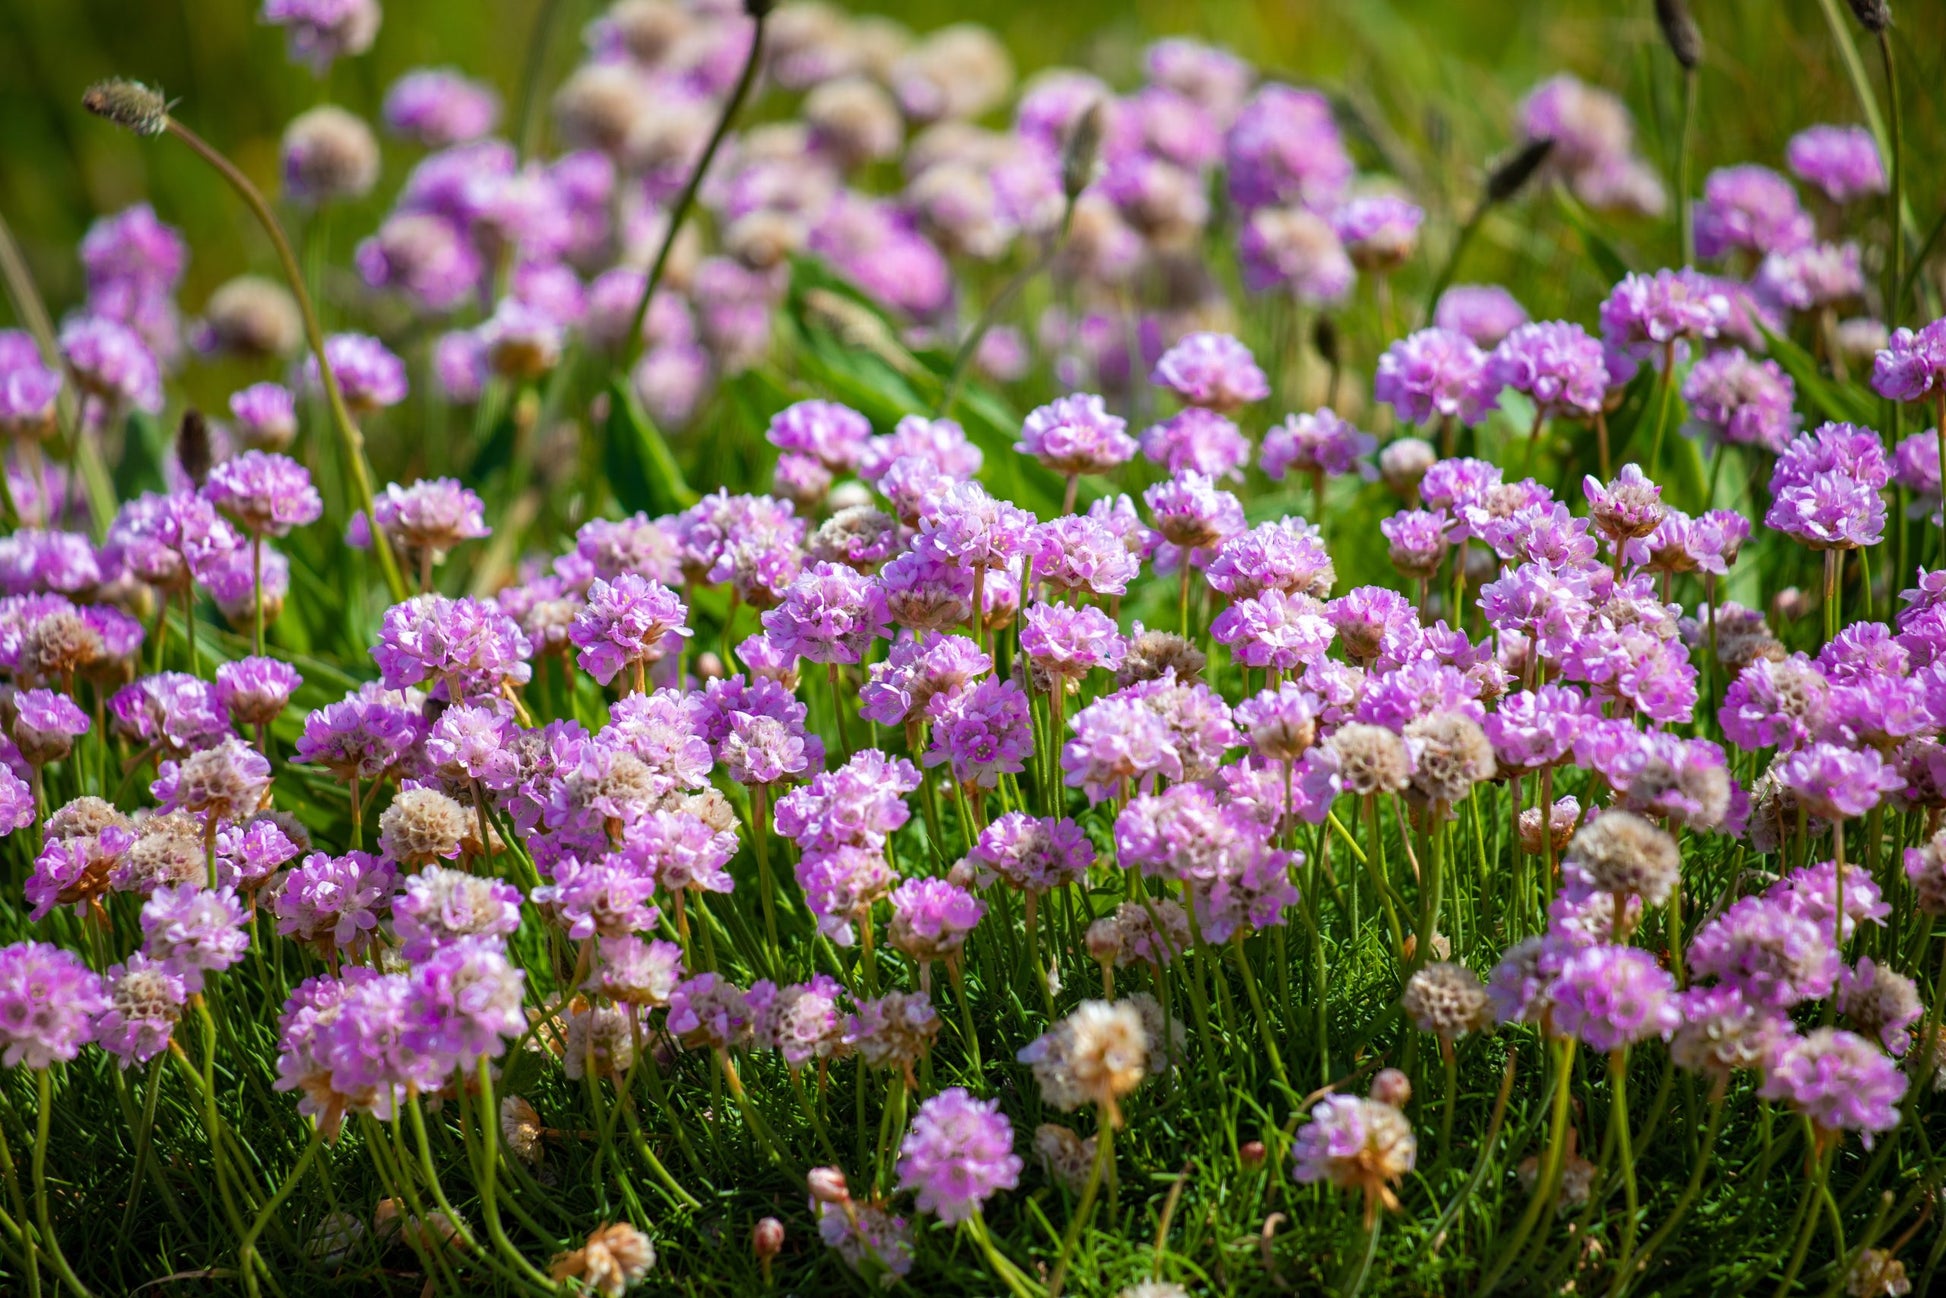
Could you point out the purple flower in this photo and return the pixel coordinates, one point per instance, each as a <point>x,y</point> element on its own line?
<point>1070,640</point>
<point>1538,728</point>
<point>940,442</point>
<point>1811,892</point>
<point>1198,439</point>
<point>1274,630</point>
<point>625,623</point>
<point>321,31</point>
<point>110,361</point>
<point>1435,372</point>
<point>364,736</point>
<point>144,1001</point>
<point>860,804</point>
<point>17,809</point>
<point>475,742</point>
<point>1286,555</point>
<point>1356,1144</point>
<point>1751,208</point>
<point>265,414</point>
<point>466,647</point>
<point>1486,313</point>
<point>1842,161</point>
<point>983,729</point>
<point>680,851</point>
<point>255,691</point>
<point>228,781</point>
<point>1083,553</point>
<point>1773,955</point>
<point>840,886</point>
<point>1741,400</point>
<point>1626,508</point>
<point>835,435</point>
<point>173,711</point>
<point>1032,854</point>
<point>1075,435</point>
<point>1379,231</point>
<point>1815,275</point>
<point>193,930</point>
<point>427,519</point>
<point>931,918</point>
<point>48,999</point>
<point>1837,783</point>
<point>1647,314</point>
<point>1284,148</point>
<point>830,614</point>
<point>264,494</point>
<point>335,903</point>
<point>1192,512</point>
<point>1211,370</point>
<point>438,107</point>
<point>1315,443</point>
<point>1557,365</point>
<point>1613,996</point>
<point>170,540</point>
<point>438,906</point>
<point>915,670</point>
<point>46,725</point>
<point>1721,1032</point>
<point>369,375</point>
<point>1296,250</point>
<point>605,898</point>
<point>1418,541</point>
<point>1911,365</point>
<point>1839,1080</point>
<point>766,750</point>
<point>958,1154</point>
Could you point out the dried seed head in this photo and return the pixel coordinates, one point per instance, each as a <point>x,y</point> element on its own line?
<point>1873,15</point>
<point>1452,755</point>
<point>1152,653</point>
<point>1065,1155</point>
<point>520,1126</point>
<point>1679,29</point>
<point>1447,1000</point>
<point>1512,175</point>
<point>1626,854</point>
<point>193,446</point>
<point>614,1259</point>
<point>422,826</point>
<point>1369,759</point>
<point>1325,338</point>
<point>1877,1273</point>
<point>252,316</point>
<point>128,104</point>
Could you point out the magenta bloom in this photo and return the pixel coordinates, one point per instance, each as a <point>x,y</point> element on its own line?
<point>1773,955</point>
<point>46,725</point>
<point>1647,313</point>
<point>982,729</point>
<point>1613,996</point>
<point>1842,161</point>
<point>335,903</point>
<point>624,624</point>
<point>1033,854</point>
<point>1076,434</point>
<point>834,435</point>
<point>1749,208</point>
<point>144,1001</point>
<point>1070,640</point>
<point>1192,512</point>
<point>931,918</point>
<point>48,999</point>
<point>263,493</point>
<point>1285,149</point>
<point>1119,741</point>
<point>830,614</point>
<point>915,670</point>
<point>368,374</point>
<point>1353,1142</point>
<point>1379,231</point>
<point>1200,440</point>
<point>1274,630</point>
<point>1911,365</point>
<point>110,360</point>
<point>1742,400</point>
<point>1211,370</point>
<point>1287,554</point>
<point>1082,552</point>
<point>1837,783</point>
<point>438,107</point>
<point>958,1154</point>
<point>1435,373</point>
<point>430,517</point>
<point>255,691</point>
<point>1315,443</point>
<point>466,648</point>
<point>1557,365</point>
<point>1839,1080</point>
<point>319,32</point>
<point>1486,313</point>
<point>861,804</point>
<point>193,931</point>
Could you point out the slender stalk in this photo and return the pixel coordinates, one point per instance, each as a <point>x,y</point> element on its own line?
<point>1104,1154</point>
<point>1685,162</point>
<point>1665,391</point>
<point>1265,1026</point>
<point>1618,1122</point>
<point>1813,1185</point>
<point>247,1259</point>
<point>351,442</point>
<point>44,1095</point>
<point>1631,1266</point>
<point>632,340</point>
<point>1546,1183</point>
<point>1895,196</point>
<point>20,1207</point>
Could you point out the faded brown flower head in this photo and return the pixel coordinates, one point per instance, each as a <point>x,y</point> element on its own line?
<point>422,826</point>
<point>1390,1086</point>
<point>1447,1000</point>
<point>85,817</point>
<point>521,1128</point>
<point>1561,820</point>
<point>1877,1274</point>
<point>1369,759</point>
<point>329,154</point>
<point>1153,654</point>
<point>1065,1155</point>
<point>58,645</point>
<point>1451,754</point>
<point>614,1259</point>
<point>252,316</point>
<point>1624,853</point>
<point>1095,1055</point>
<point>598,1040</point>
<point>168,850</point>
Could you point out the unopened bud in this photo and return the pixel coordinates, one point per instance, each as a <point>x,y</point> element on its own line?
<point>767,1238</point>
<point>1083,147</point>
<point>1790,604</point>
<point>1390,1086</point>
<point>1873,15</point>
<point>1512,175</point>
<point>128,104</point>
<point>1679,29</point>
<point>828,1185</point>
<point>1251,1154</point>
<point>192,446</point>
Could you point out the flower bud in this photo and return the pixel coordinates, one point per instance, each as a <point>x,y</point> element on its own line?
<point>1251,1154</point>
<point>828,1185</point>
<point>767,1238</point>
<point>1679,29</point>
<point>1081,152</point>
<point>128,104</point>
<point>1390,1086</point>
<point>1512,175</point>
<point>1873,15</point>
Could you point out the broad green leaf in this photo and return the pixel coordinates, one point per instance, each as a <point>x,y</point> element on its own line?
<point>642,470</point>
<point>1847,403</point>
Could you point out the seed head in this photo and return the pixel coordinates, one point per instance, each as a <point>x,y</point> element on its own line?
<point>1512,175</point>
<point>1624,853</point>
<point>1873,15</point>
<point>128,104</point>
<point>1447,1000</point>
<point>1679,29</point>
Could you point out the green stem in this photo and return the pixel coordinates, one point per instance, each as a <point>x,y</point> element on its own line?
<point>1618,1120</point>
<point>1807,1210</point>
<point>1685,218</point>
<point>246,1252</point>
<point>1637,1264</point>
<point>44,1094</point>
<point>1264,1024</point>
<point>489,1186</point>
<point>1545,1183</point>
<point>351,442</point>
<point>1895,197</point>
<point>1104,1154</point>
<point>1666,389</point>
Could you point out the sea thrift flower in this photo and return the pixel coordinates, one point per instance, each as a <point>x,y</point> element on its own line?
<point>982,730</point>
<point>1750,208</point>
<point>1356,1144</point>
<point>1626,508</point>
<point>830,614</point>
<point>1837,783</point>
<point>1557,365</point>
<point>1839,1080</point>
<point>931,919</point>
<point>438,107</point>
<point>322,31</point>
<point>624,624</point>
<point>255,691</point>
<point>1032,854</point>
<point>228,781</point>
<point>335,903</point>
<point>1842,161</point>
<point>1313,444</point>
<point>1095,1055</point>
<point>144,1001</point>
<point>834,435</point>
<point>45,725</point>
<point>1075,435</point>
<point>1434,372</point>
<point>958,1154</point>
<point>1069,640</point>
<point>1771,954</point>
<point>893,1031</point>
<point>1486,313</point>
<point>1741,400</point>
<point>1646,315</point>
<point>47,999</point>
<point>1613,996</point>
<point>193,931</point>
<point>1379,232</point>
<point>1198,440</point>
<point>1721,1032</point>
<point>1274,630</point>
<point>1912,364</point>
<point>368,374</point>
<point>1211,370</point>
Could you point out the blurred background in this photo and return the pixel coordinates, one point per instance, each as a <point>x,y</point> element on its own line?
<point>1428,88</point>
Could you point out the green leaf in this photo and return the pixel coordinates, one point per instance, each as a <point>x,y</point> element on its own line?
<point>145,449</point>
<point>642,471</point>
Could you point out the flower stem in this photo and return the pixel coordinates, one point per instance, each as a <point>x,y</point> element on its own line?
<point>1104,1154</point>
<point>44,1095</point>
<point>1618,1119</point>
<point>1264,1025</point>
<point>1544,1184</point>
<point>351,442</point>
